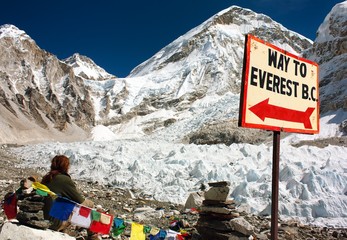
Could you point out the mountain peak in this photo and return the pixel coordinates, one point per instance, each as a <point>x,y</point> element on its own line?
<point>9,30</point>
<point>213,50</point>
<point>334,25</point>
<point>86,68</point>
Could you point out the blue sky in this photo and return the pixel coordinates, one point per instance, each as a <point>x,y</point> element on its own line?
<point>119,35</point>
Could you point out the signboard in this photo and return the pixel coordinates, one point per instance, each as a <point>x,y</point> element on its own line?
<point>279,90</point>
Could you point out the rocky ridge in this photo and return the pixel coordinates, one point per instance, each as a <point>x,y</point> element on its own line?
<point>39,93</point>
<point>329,50</point>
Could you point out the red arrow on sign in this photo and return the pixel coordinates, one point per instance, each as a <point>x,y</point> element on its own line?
<point>264,110</point>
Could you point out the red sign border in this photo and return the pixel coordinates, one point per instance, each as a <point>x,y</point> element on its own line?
<point>244,86</point>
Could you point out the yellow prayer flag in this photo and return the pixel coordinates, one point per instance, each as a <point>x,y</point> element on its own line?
<point>137,232</point>
<point>105,219</point>
<point>42,187</point>
<point>154,231</point>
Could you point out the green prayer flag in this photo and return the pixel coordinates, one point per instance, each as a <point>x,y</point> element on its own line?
<point>118,227</point>
<point>95,215</point>
<point>41,193</point>
<point>146,229</point>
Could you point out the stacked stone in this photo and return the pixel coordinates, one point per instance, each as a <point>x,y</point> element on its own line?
<point>218,217</point>
<point>30,211</point>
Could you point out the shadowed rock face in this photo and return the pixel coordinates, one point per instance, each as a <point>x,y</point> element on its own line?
<point>228,133</point>
<point>333,63</point>
<point>329,50</point>
<point>36,85</point>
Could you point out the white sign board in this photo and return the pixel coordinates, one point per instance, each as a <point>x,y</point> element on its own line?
<point>279,90</point>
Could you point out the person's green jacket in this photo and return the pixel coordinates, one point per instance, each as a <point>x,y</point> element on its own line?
<point>63,186</point>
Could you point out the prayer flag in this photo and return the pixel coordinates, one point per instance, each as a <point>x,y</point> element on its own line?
<point>10,205</point>
<point>96,215</point>
<point>171,235</point>
<point>118,227</point>
<point>161,235</point>
<point>81,220</point>
<point>179,237</point>
<point>105,219</point>
<point>41,193</point>
<point>98,226</point>
<point>84,211</point>
<point>154,231</point>
<point>61,209</point>
<point>42,187</point>
<point>137,232</point>
<point>146,229</point>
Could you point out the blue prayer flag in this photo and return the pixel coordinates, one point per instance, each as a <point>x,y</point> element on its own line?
<point>61,209</point>
<point>160,236</point>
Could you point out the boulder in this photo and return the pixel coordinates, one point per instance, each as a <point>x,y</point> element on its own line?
<point>12,231</point>
<point>194,200</point>
<point>217,193</point>
<point>143,213</point>
<point>242,226</point>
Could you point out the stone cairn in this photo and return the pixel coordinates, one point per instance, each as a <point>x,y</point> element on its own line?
<point>30,206</point>
<point>218,219</point>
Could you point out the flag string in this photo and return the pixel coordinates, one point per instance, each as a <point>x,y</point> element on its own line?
<point>100,228</point>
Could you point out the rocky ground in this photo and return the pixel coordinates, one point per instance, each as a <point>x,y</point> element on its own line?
<point>321,143</point>
<point>127,204</point>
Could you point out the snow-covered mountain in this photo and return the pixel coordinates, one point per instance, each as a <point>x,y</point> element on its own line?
<point>189,93</point>
<point>193,83</point>
<point>86,68</point>
<point>205,63</point>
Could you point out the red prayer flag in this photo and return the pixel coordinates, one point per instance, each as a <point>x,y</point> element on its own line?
<point>99,227</point>
<point>84,211</point>
<point>10,205</point>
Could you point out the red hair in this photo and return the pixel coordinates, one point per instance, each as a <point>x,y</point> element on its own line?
<point>59,164</point>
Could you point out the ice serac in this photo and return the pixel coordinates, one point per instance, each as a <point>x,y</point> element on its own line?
<point>329,50</point>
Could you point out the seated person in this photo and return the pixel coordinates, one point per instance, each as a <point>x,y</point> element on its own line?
<point>59,181</point>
